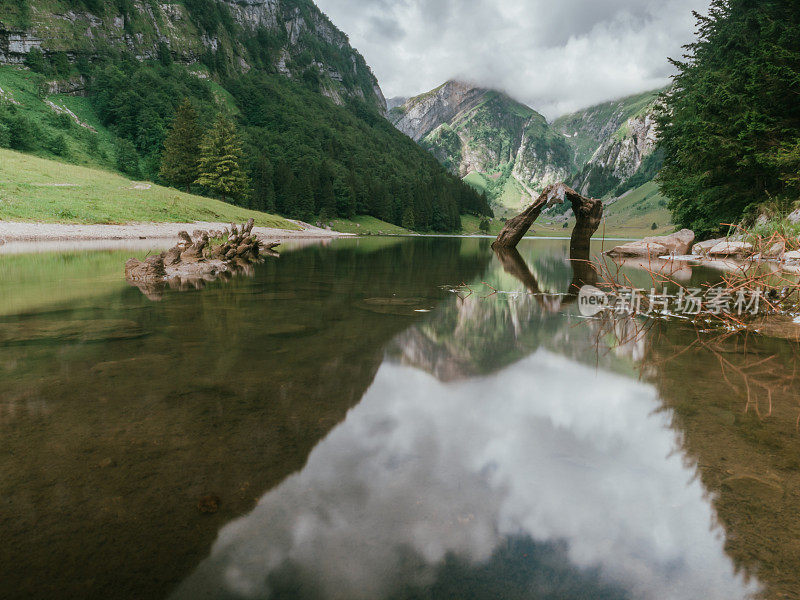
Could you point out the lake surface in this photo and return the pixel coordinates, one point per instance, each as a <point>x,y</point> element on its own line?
<point>384,419</point>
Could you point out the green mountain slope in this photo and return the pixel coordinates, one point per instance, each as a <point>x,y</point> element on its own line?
<point>498,145</point>
<point>37,189</point>
<point>292,37</point>
<point>587,129</point>
<point>316,143</point>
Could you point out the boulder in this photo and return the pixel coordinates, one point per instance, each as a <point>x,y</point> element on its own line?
<point>794,218</point>
<point>728,248</point>
<point>794,255</point>
<point>777,250</point>
<point>702,248</point>
<point>677,243</point>
<point>639,248</point>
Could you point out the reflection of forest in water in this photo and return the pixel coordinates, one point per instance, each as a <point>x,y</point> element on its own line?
<point>118,414</point>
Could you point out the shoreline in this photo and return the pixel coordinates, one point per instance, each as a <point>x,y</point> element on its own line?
<point>17,231</point>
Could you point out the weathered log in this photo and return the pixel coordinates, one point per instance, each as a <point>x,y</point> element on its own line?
<point>194,262</point>
<point>172,256</point>
<point>151,269</point>
<point>588,213</point>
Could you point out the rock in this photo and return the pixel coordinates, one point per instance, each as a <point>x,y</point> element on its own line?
<point>675,244</point>
<point>728,248</point>
<point>794,255</point>
<point>151,270</point>
<point>639,248</point>
<point>2,241</point>
<point>702,248</point>
<point>762,220</point>
<point>776,251</point>
<point>185,237</point>
<point>794,218</point>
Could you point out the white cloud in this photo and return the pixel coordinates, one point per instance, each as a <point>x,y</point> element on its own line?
<point>422,469</point>
<point>555,56</point>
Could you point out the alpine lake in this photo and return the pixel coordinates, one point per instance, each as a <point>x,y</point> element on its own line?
<point>385,418</point>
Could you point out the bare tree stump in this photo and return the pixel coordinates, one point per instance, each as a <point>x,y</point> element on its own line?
<point>588,212</point>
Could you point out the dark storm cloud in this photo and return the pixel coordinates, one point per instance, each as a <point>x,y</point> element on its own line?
<point>556,56</point>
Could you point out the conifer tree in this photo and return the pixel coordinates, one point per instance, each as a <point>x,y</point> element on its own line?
<point>731,122</point>
<point>408,218</point>
<point>220,161</point>
<point>326,199</point>
<point>263,197</point>
<point>182,148</point>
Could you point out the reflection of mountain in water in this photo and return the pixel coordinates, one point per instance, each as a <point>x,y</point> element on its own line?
<point>733,402</point>
<point>481,331</point>
<point>116,418</point>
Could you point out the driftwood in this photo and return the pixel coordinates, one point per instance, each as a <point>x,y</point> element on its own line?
<point>197,259</point>
<point>588,213</point>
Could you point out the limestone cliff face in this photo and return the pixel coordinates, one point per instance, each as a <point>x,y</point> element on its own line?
<point>621,155</point>
<point>420,115</point>
<point>497,142</point>
<point>612,142</point>
<point>291,37</point>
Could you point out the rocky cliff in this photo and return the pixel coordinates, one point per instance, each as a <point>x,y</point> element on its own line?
<point>613,142</point>
<point>292,37</point>
<point>498,144</point>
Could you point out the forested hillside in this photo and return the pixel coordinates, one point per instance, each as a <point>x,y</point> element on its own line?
<point>731,129</point>
<point>307,133</point>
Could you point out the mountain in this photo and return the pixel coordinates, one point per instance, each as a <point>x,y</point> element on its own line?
<point>292,37</point>
<point>94,83</point>
<point>395,102</point>
<point>614,143</point>
<point>498,145</point>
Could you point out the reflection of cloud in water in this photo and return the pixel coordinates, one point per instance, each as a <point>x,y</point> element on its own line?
<point>548,449</point>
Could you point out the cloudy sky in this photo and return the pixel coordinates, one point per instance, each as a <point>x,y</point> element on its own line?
<point>556,56</point>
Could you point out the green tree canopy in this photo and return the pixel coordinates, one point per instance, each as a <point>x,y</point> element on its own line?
<point>221,161</point>
<point>179,166</point>
<point>730,128</point>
